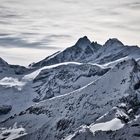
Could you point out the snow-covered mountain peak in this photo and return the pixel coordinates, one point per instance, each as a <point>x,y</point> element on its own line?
<point>87,91</point>
<point>83,42</point>
<point>113,42</point>
<point>86,51</point>
<point>79,52</point>
<point>3,63</point>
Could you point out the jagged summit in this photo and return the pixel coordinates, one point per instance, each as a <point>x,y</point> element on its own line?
<point>83,42</point>
<point>113,42</point>
<point>95,46</point>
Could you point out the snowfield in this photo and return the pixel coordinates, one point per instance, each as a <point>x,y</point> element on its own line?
<point>113,125</point>
<point>9,82</point>
<point>87,91</point>
<point>12,133</point>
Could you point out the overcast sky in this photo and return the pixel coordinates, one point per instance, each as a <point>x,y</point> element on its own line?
<point>30,30</point>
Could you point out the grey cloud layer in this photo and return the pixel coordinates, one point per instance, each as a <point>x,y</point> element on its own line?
<point>57,24</point>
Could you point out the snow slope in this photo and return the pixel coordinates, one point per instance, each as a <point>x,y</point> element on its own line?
<point>12,133</point>
<point>65,78</point>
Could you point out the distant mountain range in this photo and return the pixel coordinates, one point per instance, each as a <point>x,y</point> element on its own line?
<point>85,92</point>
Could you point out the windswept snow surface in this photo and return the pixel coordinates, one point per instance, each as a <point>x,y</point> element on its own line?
<point>113,125</point>
<point>12,133</point>
<point>12,82</point>
<point>33,75</point>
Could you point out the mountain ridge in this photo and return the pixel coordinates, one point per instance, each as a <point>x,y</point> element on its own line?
<point>87,91</point>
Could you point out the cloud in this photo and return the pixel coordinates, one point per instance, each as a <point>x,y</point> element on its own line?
<point>132,5</point>
<point>53,25</point>
<point>17,42</point>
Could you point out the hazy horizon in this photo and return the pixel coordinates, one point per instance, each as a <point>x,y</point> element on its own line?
<point>31,30</point>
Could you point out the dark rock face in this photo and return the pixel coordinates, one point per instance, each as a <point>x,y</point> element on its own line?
<point>63,124</point>
<point>137,86</point>
<point>4,109</point>
<point>19,70</point>
<point>3,63</point>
